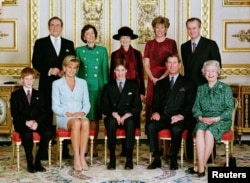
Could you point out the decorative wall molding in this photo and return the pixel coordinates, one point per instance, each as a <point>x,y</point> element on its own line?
<point>235,70</point>
<point>14,58</point>
<point>34,23</point>
<point>8,34</point>
<point>9,2</point>
<point>10,71</point>
<point>206,18</point>
<point>236,2</point>
<point>236,35</point>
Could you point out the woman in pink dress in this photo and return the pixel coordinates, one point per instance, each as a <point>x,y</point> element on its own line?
<point>155,53</point>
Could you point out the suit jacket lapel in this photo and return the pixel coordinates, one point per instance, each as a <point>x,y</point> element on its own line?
<point>24,98</point>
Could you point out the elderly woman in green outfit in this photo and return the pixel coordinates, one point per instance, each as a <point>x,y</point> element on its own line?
<point>94,69</point>
<point>213,109</point>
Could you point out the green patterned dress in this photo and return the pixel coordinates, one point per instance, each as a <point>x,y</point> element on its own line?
<point>213,102</point>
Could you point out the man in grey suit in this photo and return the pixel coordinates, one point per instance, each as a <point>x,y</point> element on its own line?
<point>121,103</point>
<point>171,109</point>
<point>194,53</point>
<point>48,55</point>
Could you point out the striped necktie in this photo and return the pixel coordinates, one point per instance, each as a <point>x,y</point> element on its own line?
<point>194,47</point>
<point>172,82</point>
<point>120,87</point>
<point>29,96</point>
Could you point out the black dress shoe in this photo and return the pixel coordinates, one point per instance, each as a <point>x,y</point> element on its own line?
<point>202,174</point>
<point>174,165</point>
<point>40,168</point>
<point>191,170</point>
<point>31,169</point>
<point>112,164</point>
<point>155,164</point>
<point>129,164</point>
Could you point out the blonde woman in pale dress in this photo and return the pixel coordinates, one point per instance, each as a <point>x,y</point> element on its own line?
<point>70,103</point>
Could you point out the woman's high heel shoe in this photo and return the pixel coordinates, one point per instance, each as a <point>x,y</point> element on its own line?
<point>202,174</point>
<point>191,170</point>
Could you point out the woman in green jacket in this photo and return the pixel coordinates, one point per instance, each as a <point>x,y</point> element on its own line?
<point>94,69</point>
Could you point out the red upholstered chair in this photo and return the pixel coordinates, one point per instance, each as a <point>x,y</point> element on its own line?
<point>165,134</point>
<point>227,138</point>
<point>16,142</point>
<point>65,135</point>
<point>120,134</point>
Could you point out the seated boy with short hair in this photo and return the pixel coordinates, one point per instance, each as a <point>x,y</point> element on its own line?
<point>28,112</point>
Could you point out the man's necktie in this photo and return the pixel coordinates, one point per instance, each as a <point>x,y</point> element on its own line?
<point>172,82</point>
<point>120,87</point>
<point>56,45</point>
<point>28,96</point>
<point>194,46</point>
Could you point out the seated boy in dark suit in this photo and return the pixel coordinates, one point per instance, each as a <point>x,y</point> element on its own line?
<point>28,112</point>
<point>121,103</point>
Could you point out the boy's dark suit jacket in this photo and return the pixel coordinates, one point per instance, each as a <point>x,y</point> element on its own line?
<point>128,101</point>
<point>22,111</point>
<point>179,100</point>
<point>44,58</point>
<point>206,49</point>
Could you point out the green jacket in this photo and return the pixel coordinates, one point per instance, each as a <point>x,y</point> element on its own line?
<point>94,66</point>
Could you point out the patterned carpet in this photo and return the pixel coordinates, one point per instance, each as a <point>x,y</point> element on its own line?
<point>99,174</point>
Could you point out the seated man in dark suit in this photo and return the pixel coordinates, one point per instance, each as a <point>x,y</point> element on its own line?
<point>29,115</point>
<point>121,103</point>
<point>171,108</point>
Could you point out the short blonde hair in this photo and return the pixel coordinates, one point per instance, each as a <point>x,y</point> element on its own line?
<point>70,59</point>
<point>211,62</point>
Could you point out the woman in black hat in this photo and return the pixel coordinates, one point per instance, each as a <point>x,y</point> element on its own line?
<point>134,65</point>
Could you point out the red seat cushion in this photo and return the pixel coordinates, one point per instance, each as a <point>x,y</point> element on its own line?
<point>16,136</point>
<point>227,136</point>
<point>165,133</point>
<point>121,132</point>
<point>66,133</point>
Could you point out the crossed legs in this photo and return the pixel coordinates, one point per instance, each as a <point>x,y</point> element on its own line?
<point>79,138</point>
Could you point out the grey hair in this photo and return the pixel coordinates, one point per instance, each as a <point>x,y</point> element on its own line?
<point>211,62</point>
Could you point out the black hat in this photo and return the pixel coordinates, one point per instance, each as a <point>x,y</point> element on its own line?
<point>125,31</point>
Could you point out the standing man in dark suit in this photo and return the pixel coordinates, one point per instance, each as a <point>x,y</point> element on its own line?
<point>171,108</point>
<point>48,55</point>
<point>194,53</point>
<point>121,103</point>
<point>29,115</point>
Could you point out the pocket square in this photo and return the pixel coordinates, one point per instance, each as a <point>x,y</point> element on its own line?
<point>130,93</point>
<point>37,98</point>
<point>182,89</point>
<point>67,50</point>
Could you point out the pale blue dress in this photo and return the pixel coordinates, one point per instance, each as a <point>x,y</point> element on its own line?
<point>65,100</point>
